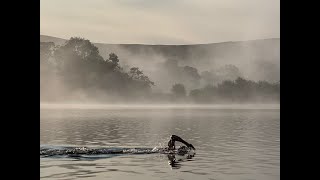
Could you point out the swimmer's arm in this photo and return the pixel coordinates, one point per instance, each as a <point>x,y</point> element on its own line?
<point>177,138</point>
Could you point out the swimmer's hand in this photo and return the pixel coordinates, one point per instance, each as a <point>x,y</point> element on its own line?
<point>191,146</point>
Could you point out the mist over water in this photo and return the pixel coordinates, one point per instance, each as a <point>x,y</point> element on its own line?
<point>231,72</point>
<point>158,106</point>
<point>256,60</point>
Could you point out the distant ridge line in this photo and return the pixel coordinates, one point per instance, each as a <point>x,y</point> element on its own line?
<point>224,42</point>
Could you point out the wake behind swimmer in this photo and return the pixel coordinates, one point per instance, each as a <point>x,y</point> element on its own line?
<point>49,151</point>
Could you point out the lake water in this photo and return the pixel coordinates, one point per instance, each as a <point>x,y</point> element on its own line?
<point>232,142</point>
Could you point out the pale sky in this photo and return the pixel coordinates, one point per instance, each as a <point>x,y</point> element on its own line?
<point>161,21</point>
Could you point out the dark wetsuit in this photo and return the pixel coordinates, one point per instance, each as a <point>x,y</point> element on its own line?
<point>174,138</point>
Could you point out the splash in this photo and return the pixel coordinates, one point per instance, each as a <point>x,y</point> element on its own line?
<point>67,151</point>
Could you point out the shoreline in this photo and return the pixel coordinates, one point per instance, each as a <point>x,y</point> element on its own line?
<point>257,106</point>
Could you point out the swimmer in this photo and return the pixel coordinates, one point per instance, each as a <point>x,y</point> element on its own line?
<point>174,138</point>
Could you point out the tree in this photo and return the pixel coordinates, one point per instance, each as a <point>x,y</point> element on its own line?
<point>114,58</point>
<point>205,94</point>
<point>79,54</point>
<point>46,50</point>
<point>79,63</point>
<point>209,77</point>
<point>239,90</point>
<point>81,47</point>
<point>78,67</point>
<point>178,90</point>
<point>228,72</point>
<point>136,74</point>
<point>191,72</point>
<point>196,94</point>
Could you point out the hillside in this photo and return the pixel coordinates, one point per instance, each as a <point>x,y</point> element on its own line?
<point>256,59</point>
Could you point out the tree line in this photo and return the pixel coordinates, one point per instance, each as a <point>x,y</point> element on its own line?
<point>76,69</point>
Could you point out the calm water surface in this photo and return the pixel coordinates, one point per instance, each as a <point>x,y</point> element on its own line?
<point>231,143</point>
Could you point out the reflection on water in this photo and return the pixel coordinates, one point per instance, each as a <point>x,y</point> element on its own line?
<point>175,160</point>
<point>230,143</point>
